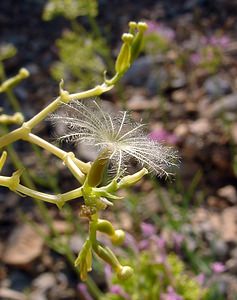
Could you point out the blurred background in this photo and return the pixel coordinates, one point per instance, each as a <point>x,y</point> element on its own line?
<point>181,231</point>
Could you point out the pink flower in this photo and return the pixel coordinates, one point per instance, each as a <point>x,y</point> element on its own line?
<point>160,242</point>
<point>152,26</point>
<point>161,135</point>
<point>147,229</point>
<point>131,242</point>
<point>218,267</point>
<point>143,245</point>
<point>161,29</point>
<point>171,295</point>
<point>201,278</point>
<point>195,58</point>
<point>221,41</point>
<point>178,240</point>
<point>117,290</point>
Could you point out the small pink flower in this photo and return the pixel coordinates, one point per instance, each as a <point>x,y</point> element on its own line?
<point>161,29</point>
<point>171,295</point>
<point>224,41</point>
<point>131,242</point>
<point>160,242</point>
<point>218,267</point>
<point>178,240</point>
<point>201,278</point>
<point>195,58</point>
<point>143,245</point>
<point>117,290</point>
<point>147,229</point>
<point>152,26</point>
<point>221,41</point>
<point>161,135</point>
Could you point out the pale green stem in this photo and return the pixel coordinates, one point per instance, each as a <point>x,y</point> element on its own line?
<point>76,172</point>
<point>92,229</point>
<point>10,183</point>
<point>26,128</point>
<point>72,194</point>
<point>16,106</point>
<point>17,162</point>
<point>103,252</point>
<point>37,195</point>
<point>11,137</point>
<point>9,92</point>
<point>75,165</point>
<point>96,91</point>
<point>29,183</point>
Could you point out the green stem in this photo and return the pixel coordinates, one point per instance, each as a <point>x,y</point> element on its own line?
<point>16,160</point>
<point>12,98</point>
<point>26,128</point>
<point>18,163</point>
<point>103,252</point>
<point>16,107</point>
<point>92,287</point>
<point>56,199</point>
<point>96,91</point>
<point>75,165</point>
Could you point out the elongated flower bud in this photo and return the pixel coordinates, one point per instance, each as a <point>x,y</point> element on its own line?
<point>132,27</point>
<point>132,179</point>
<point>124,57</point>
<point>138,40</point>
<point>96,173</point>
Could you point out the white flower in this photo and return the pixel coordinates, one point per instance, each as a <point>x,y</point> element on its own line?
<point>86,121</point>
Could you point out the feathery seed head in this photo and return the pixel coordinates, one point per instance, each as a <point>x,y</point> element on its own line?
<point>86,121</point>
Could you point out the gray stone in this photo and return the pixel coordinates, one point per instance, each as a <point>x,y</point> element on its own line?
<point>226,104</point>
<point>216,86</point>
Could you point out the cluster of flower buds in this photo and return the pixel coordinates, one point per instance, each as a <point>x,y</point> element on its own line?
<point>84,260</point>
<point>130,49</point>
<point>96,199</point>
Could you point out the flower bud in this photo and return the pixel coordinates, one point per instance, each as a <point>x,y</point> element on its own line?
<point>105,227</point>
<point>64,95</point>
<point>124,57</point>
<point>13,81</point>
<point>132,179</point>
<point>24,73</point>
<point>132,27</point>
<point>17,118</point>
<point>7,51</point>
<point>96,172</point>
<point>138,40</point>
<point>118,237</point>
<point>125,272</point>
